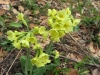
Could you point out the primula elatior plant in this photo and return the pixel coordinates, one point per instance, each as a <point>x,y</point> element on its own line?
<point>61,22</point>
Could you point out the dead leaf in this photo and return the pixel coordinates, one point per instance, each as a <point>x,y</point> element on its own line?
<point>72,56</point>
<point>42,17</point>
<point>43,20</point>
<point>79,58</point>
<point>32,25</point>
<point>78,15</point>
<point>4,2</point>
<point>91,48</point>
<point>37,12</point>
<point>2,12</point>
<point>27,12</point>
<point>41,2</point>
<point>43,42</point>
<point>15,11</point>
<point>95,52</point>
<point>73,72</point>
<point>98,53</point>
<point>95,72</point>
<point>75,57</point>
<point>20,8</point>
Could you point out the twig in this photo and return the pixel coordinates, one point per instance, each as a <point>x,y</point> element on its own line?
<point>13,62</point>
<point>6,57</point>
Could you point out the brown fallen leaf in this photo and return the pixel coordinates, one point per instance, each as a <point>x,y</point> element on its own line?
<point>2,12</point>
<point>78,15</point>
<point>75,57</point>
<point>43,42</point>
<point>73,72</point>
<point>95,72</point>
<point>32,25</point>
<point>15,11</point>
<point>95,52</point>
<point>91,48</point>
<point>43,20</point>
<point>41,2</point>
<point>98,53</point>
<point>27,12</point>
<point>20,8</point>
<point>4,2</point>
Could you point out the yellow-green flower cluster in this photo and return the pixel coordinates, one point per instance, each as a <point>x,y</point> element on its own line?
<point>41,60</point>
<point>61,22</point>
<point>24,39</point>
<point>21,39</point>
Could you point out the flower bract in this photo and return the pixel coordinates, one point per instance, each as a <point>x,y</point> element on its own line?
<point>56,53</point>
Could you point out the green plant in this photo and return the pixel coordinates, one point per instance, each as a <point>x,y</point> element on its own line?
<point>30,4</point>
<point>2,23</point>
<point>61,22</point>
<point>5,44</point>
<point>81,67</point>
<point>43,9</point>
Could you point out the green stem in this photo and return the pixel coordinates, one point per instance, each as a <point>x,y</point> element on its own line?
<point>41,51</point>
<point>25,23</point>
<point>27,28</point>
<point>28,65</point>
<point>37,53</point>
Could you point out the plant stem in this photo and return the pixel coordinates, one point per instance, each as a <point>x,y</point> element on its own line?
<point>27,62</point>
<point>25,23</point>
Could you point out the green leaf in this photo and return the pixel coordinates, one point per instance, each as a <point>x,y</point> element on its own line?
<point>1,23</point>
<point>4,43</point>
<point>51,66</point>
<point>39,71</point>
<point>16,25</point>
<point>18,74</point>
<point>76,28</point>
<point>44,70</point>
<point>23,60</point>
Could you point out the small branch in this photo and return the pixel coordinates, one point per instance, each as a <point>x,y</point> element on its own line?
<point>13,62</point>
<point>6,57</point>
